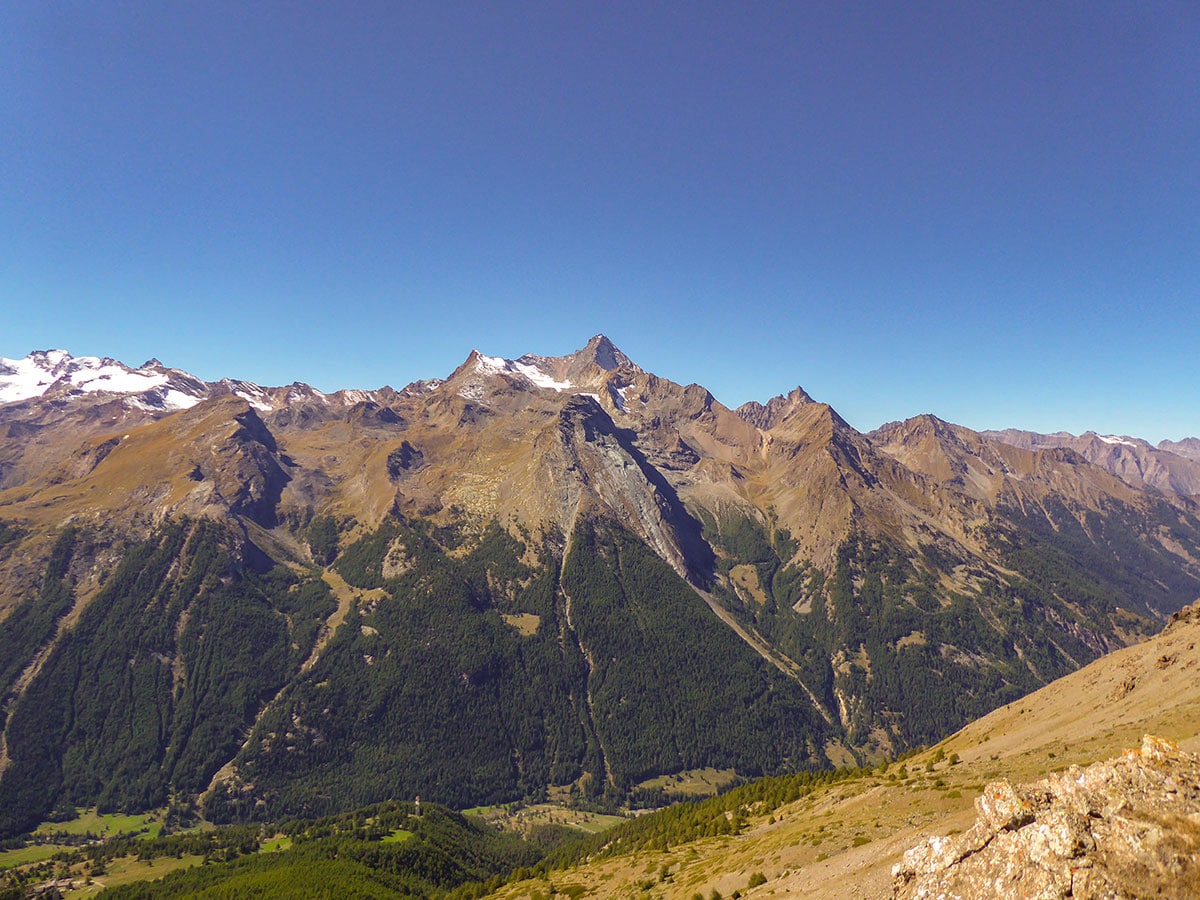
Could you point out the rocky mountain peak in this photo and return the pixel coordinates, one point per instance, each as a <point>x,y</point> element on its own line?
<point>596,363</point>
<point>604,353</point>
<point>767,416</point>
<point>614,479</point>
<point>590,369</point>
<point>57,373</point>
<point>907,429</point>
<point>1133,460</point>
<point>1188,448</point>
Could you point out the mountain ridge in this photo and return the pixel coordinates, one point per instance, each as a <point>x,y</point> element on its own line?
<point>871,591</point>
<point>164,388</point>
<point>1171,467</point>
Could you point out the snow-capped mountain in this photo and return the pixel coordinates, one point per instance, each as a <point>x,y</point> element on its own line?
<point>57,373</point>
<point>597,369</point>
<point>558,555</point>
<point>152,387</point>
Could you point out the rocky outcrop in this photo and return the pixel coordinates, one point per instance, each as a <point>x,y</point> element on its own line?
<point>1186,616</point>
<point>1125,828</point>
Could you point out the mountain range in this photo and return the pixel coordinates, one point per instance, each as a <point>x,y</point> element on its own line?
<point>550,574</point>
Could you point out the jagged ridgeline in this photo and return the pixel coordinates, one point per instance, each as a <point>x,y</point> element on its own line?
<point>547,575</point>
<point>474,672</point>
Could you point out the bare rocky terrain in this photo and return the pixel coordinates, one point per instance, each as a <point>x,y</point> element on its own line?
<point>1171,466</point>
<point>1127,827</point>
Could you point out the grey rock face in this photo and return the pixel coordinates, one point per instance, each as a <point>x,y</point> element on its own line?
<point>1121,829</point>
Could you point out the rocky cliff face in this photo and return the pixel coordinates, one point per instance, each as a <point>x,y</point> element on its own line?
<point>899,583</point>
<point>1125,828</point>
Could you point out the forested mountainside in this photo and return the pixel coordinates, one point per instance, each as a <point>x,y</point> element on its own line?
<point>552,573</point>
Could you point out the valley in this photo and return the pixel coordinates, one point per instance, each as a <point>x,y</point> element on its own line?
<point>566,580</point>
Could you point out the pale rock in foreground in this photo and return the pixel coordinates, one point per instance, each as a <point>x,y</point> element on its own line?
<point>1125,828</point>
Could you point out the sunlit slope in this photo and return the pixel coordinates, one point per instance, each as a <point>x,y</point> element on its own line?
<point>842,840</point>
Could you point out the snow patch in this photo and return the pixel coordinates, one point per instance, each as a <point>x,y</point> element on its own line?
<point>541,379</point>
<point>33,376</point>
<point>250,392</point>
<point>52,357</point>
<point>618,397</point>
<point>154,388</point>
<point>494,365</point>
<point>164,399</point>
<point>113,377</point>
<point>179,400</point>
<point>1113,439</point>
<point>254,401</point>
<point>21,379</point>
<point>491,365</point>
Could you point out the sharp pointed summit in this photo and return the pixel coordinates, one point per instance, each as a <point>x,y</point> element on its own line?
<point>596,362</point>
<point>767,416</point>
<point>604,353</point>
<point>536,540</point>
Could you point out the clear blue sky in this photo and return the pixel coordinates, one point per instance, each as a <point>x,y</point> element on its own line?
<point>988,211</point>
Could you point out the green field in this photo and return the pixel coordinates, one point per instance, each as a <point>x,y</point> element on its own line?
<point>129,871</point>
<point>275,845</point>
<point>522,819</point>
<point>105,825</point>
<point>87,822</point>
<point>693,783</point>
<point>396,837</point>
<point>23,855</point>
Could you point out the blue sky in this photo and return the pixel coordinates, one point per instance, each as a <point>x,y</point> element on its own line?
<point>990,212</point>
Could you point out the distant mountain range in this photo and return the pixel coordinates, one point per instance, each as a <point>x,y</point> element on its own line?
<point>1172,466</point>
<point>549,574</point>
<point>55,375</point>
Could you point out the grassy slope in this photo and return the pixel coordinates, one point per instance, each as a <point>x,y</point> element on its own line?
<point>843,840</point>
<point>128,871</point>
<point>103,825</point>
